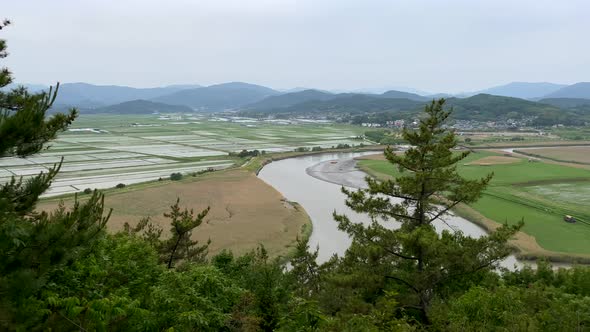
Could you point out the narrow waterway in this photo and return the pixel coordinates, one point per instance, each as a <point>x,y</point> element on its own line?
<point>315,182</point>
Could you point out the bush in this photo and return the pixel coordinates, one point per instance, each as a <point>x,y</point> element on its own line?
<point>175,176</point>
<point>468,140</point>
<point>302,149</point>
<point>316,148</point>
<point>88,191</point>
<point>120,185</point>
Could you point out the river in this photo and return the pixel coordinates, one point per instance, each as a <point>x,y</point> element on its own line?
<point>315,181</point>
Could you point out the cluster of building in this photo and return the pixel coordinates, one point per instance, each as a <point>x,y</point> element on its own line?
<point>486,125</point>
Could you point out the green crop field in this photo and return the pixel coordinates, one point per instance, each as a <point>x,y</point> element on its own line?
<point>536,192</point>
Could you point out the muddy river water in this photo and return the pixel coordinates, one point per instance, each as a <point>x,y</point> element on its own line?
<point>315,182</point>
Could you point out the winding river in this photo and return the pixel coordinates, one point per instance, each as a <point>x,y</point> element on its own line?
<point>315,181</point>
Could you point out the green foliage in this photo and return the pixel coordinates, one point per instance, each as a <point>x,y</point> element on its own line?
<point>179,246</point>
<point>199,298</point>
<point>34,245</point>
<point>120,185</point>
<point>176,176</point>
<point>422,263</point>
<point>515,309</point>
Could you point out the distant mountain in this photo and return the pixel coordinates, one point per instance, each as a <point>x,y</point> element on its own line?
<point>403,95</point>
<point>524,90</point>
<point>565,102</point>
<point>290,99</point>
<point>344,103</point>
<point>578,90</point>
<point>139,106</point>
<point>219,97</point>
<point>89,95</point>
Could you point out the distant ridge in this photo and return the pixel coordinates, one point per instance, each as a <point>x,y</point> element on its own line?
<point>218,97</point>
<point>90,95</point>
<point>578,90</point>
<point>290,99</point>
<point>139,106</point>
<point>524,90</point>
<point>401,94</point>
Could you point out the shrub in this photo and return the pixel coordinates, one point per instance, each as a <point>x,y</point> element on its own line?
<point>120,185</point>
<point>316,148</point>
<point>88,191</point>
<point>175,176</point>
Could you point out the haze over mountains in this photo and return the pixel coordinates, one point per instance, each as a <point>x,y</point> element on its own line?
<point>520,98</point>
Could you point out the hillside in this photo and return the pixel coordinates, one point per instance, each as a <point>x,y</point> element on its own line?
<point>345,103</point>
<point>565,102</point>
<point>394,94</point>
<point>578,90</point>
<point>290,99</point>
<point>139,106</point>
<point>218,97</point>
<point>89,95</point>
<point>524,90</point>
<point>485,107</point>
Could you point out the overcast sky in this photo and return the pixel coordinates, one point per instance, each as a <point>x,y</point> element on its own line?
<point>434,45</point>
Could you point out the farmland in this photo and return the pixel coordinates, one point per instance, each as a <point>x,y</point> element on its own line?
<point>539,193</point>
<point>572,154</point>
<point>101,151</point>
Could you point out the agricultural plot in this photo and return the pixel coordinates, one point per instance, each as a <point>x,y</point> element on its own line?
<point>101,151</point>
<point>539,193</point>
<point>572,154</point>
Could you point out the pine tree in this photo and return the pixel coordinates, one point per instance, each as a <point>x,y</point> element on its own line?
<point>414,257</point>
<point>33,244</point>
<point>179,246</point>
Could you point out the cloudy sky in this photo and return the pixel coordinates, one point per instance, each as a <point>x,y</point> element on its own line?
<point>431,45</point>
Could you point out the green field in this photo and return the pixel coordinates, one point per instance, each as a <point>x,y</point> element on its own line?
<point>539,193</point>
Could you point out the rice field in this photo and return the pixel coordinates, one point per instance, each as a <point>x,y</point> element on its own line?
<point>539,193</point>
<point>101,151</point>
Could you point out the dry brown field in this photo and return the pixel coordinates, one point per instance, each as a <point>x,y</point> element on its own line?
<point>580,154</point>
<point>245,211</point>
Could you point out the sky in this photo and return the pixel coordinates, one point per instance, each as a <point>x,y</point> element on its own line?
<point>430,45</point>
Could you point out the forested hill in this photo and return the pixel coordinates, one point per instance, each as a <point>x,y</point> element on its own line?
<point>484,107</point>
<point>219,97</point>
<point>481,107</point>
<point>289,99</point>
<point>139,106</point>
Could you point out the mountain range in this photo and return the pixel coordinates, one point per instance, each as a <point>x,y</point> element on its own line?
<point>519,98</point>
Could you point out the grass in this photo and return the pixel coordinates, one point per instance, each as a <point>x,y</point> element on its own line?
<point>536,192</point>
<point>245,211</point>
